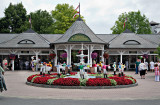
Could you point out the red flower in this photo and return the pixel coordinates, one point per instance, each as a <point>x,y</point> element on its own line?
<point>67,82</point>
<point>42,80</point>
<point>98,82</point>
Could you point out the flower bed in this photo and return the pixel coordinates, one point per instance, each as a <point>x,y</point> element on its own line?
<point>63,81</point>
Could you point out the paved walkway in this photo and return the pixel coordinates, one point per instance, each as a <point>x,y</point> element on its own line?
<point>147,89</point>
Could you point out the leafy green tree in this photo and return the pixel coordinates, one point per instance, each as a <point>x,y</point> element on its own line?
<point>15,18</point>
<point>63,15</point>
<point>41,22</point>
<point>158,51</point>
<point>136,22</point>
<point>4,26</point>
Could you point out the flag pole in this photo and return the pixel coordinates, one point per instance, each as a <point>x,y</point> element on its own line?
<point>30,22</point>
<point>79,10</point>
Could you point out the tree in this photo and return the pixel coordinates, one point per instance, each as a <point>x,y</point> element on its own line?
<point>63,15</point>
<point>4,26</point>
<point>41,21</point>
<point>158,52</point>
<point>136,22</point>
<point>15,19</point>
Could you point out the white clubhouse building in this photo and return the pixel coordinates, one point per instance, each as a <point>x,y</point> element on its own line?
<point>123,47</point>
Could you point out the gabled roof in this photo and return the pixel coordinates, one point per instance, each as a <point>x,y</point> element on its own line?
<point>51,37</point>
<point>79,27</point>
<point>107,37</point>
<point>6,37</point>
<point>131,40</point>
<point>155,38</point>
<point>38,40</point>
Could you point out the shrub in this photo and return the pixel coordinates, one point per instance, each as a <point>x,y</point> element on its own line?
<point>83,82</point>
<point>50,81</point>
<point>113,82</point>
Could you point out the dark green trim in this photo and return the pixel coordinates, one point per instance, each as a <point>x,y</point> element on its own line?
<point>79,38</point>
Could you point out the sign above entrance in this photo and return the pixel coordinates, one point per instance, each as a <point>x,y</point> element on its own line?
<point>79,38</point>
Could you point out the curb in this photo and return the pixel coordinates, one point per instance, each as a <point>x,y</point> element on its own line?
<point>81,87</point>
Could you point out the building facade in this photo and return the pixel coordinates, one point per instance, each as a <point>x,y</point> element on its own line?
<point>124,47</point>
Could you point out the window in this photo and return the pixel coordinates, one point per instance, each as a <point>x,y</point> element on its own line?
<point>45,52</point>
<point>25,52</point>
<point>79,38</point>
<point>152,52</point>
<point>131,42</point>
<point>132,52</point>
<point>26,41</point>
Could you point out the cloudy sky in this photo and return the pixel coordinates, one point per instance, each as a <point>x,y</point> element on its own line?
<point>100,15</point>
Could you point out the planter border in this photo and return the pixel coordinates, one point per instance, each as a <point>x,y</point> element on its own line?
<point>81,87</point>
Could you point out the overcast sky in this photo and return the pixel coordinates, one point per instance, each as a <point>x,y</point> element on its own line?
<point>100,15</point>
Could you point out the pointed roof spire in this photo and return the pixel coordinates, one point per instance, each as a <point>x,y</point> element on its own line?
<point>79,10</point>
<point>127,31</point>
<point>29,31</point>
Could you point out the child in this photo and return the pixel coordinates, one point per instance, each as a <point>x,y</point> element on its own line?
<point>114,66</point>
<point>156,68</point>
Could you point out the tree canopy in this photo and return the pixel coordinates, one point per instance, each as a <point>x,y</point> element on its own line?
<point>41,21</point>
<point>158,51</point>
<point>63,15</point>
<point>14,20</point>
<point>136,23</point>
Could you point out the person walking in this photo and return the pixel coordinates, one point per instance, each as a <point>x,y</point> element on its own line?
<point>146,63</point>
<point>152,66</point>
<point>27,65</point>
<point>142,70</point>
<point>5,64</point>
<point>137,65</point>
<point>156,68</point>
<point>2,81</point>
<point>32,65</point>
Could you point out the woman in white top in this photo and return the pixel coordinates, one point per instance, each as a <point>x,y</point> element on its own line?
<point>142,69</point>
<point>152,66</point>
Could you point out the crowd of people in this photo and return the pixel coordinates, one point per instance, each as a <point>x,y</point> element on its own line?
<point>143,67</point>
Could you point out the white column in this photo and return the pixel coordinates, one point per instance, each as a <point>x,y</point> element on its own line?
<point>121,57</point>
<point>88,55</point>
<point>102,58</point>
<point>12,61</point>
<point>13,65</point>
<point>90,50</point>
<point>55,61</point>
<point>69,54</point>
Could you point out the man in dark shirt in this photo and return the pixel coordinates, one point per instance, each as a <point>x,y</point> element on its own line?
<point>136,65</point>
